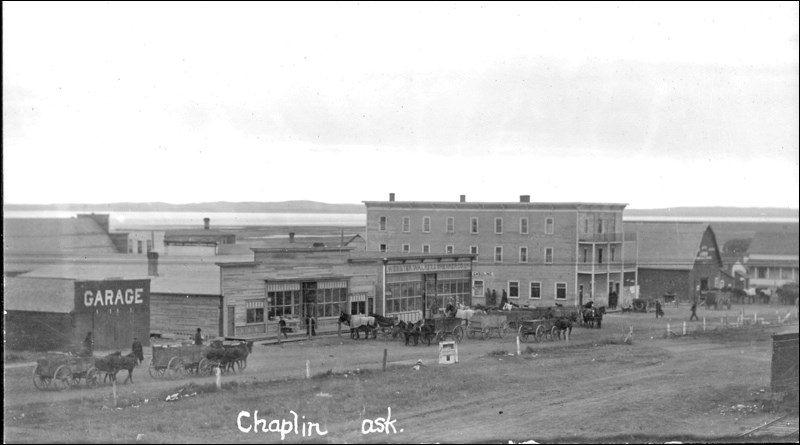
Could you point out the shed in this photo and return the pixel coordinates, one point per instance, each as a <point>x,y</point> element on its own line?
<point>785,355</point>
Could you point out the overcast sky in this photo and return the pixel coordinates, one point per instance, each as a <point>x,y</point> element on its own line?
<point>653,105</point>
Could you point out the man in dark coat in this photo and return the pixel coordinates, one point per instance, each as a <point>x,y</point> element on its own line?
<point>659,312</point>
<point>137,350</point>
<point>198,337</point>
<point>694,312</point>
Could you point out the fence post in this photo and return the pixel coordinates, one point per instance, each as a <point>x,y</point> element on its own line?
<point>384,359</point>
<point>518,345</point>
<point>704,324</point>
<point>684,328</point>
<point>308,369</point>
<point>668,330</point>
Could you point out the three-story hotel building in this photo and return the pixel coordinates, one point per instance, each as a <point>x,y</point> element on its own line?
<point>540,254</point>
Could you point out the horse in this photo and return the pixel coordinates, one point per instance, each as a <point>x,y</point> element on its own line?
<point>359,323</point>
<point>593,315</point>
<point>115,362</point>
<point>563,326</point>
<point>237,355</point>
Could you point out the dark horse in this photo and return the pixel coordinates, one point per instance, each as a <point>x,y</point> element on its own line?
<point>592,316</point>
<point>359,323</point>
<point>114,363</point>
<point>231,356</point>
<point>415,331</point>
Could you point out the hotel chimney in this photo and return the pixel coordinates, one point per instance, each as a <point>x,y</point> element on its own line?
<point>206,223</point>
<point>463,198</point>
<point>391,197</point>
<point>524,198</point>
<point>152,264</point>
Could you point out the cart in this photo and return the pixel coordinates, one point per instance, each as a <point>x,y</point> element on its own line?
<point>538,330</point>
<point>483,325</point>
<point>61,371</point>
<point>172,361</point>
<point>438,329</point>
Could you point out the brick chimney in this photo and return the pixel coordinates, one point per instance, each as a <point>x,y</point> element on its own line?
<point>152,264</point>
<point>291,237</point>
<point>524,198</point>
<point>463,198</point>
<point>391,197</point>
<point>206,223</point>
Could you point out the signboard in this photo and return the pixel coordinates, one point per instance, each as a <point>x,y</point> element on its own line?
<point>448,352</point>
<point>427,267</point>
<point>111,294</point>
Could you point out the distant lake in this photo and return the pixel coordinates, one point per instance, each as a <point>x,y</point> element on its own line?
<point>711,219</point>
<point>135,220</point>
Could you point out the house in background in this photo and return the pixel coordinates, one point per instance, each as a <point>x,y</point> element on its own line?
<point>204,241</point>
<point>677,257</point>
<point>772,259</point>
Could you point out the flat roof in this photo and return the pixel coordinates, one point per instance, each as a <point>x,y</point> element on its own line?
<point>496,205</point>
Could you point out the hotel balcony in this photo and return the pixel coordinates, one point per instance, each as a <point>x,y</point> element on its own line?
<point>606,237</point>
<point>613,266</point>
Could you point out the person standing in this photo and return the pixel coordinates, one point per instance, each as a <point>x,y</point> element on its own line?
<point>659,312</point>
<point>137,350</point>
<point>282,324</point>
<point>694,311</point>
<point>88,345</point>
<point>198,337</point>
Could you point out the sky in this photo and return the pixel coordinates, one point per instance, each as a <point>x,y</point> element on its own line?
<point>654,105</point>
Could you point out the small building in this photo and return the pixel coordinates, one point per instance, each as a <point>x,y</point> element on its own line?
<point>772,259</point>
<point>676,257</point>
<point>197,242</point>
<point>297,282</point>
<point>84,234</point>
<point>56,314</point>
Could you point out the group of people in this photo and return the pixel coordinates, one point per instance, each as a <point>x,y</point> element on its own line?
<point>660,311</point>
<point>311,326</point>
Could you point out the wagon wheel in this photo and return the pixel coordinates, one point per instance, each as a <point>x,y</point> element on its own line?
<point>92,377</point>
<point>539,334</point>
<point>553,333</point>
<point>175,367</point>
<point>155,372</point>
<point>503,331</point>
<point>62,378</point>
<point>204,367</point>
<point>485,333</point>
<point>458,334</point>
<point>41,382</point>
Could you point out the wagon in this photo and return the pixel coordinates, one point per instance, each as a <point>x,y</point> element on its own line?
<point>172,361</point>
<point>438,329</point>
<point>538,330</point>
<point>484,325</point>
<point>60,371</point>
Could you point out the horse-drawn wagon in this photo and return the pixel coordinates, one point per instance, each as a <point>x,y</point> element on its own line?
<point>440,328</point>
<point>483,325</point>
<point>538,329</point>
<point>172,361</point>
<point>60,371</point>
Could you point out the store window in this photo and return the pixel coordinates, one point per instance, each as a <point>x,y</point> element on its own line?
<point>256,314</point>
<point>284,303</point>
<point>477,288</point>
<point>331,302</point>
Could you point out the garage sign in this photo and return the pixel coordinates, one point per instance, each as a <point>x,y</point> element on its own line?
<point>111,294</point>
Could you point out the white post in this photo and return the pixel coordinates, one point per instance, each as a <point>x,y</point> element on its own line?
<point>518,345</point>
<point>218,374</point>
<point>684,328</point>
<point>667,329</point>
<point>308,369</point>
<point>704,324</point>
<point>755,318</point>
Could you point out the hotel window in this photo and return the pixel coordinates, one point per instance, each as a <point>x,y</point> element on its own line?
<point>548,255</point>
<point>406,248</point>
<point>426,224</point>
<point>448,249</point>
<point>498,225</point>
<point>599,226</point>
<point>536,290</point>
<point>599,255</point>
<point>498,254</point>
<point>523,226</point>
<point>382,226</point>
<point>383,247</point>
<point>473,225</point>
<point>548,226</point>
<point>561,291</point>
<point>585,255</point>
<point>613,253</point>
<point>149,245</point>
<point>451,224</point>
<point>474,250</point>
<point>139,246</point>
<point>426,248</point>
<point>406,224</point>
<point>523,254</point>
<point>513,289</point>
<point>477,288</point>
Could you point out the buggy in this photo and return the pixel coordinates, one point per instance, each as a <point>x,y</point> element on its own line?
<point>61,371</point>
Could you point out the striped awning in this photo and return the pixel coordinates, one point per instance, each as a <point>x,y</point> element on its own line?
<point>337,284</point>
<point>279,287</point>
<point>254,304</point>
<point>361,296</point>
